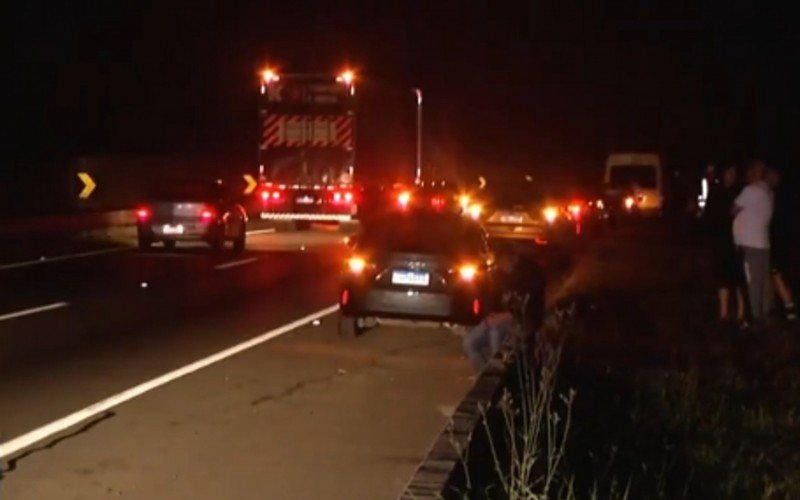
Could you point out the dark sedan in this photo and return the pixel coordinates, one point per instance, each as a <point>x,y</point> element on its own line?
<point>417,265</point>
<point>192,212</point>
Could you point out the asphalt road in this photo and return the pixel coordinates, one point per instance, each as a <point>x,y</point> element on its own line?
<point>299,414</point>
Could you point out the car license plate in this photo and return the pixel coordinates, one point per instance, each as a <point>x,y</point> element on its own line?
<point>412,278</point>
<point>511,219</point>
<point>170,229</point>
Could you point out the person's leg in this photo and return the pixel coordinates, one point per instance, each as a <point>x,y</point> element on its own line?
<point>740,316</point>
<point>785,294</point>
<point>747,265</point>
<point>475,343</point>
<point>498,334</point>
<point>767,293</point>
<point>757,274</point>
<point>723,295</point>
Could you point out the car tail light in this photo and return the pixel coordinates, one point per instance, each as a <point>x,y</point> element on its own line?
<point>550,214</point>
<point>345,298</point>
<point>575,209</point>
<point>348,197</point>
<point>437,202</point>
<point>143,214</point>
<point>208,214</point>
<point>467,272</point>
<point>356,264</point>
<point>265,195</point>
<point>476,306</point>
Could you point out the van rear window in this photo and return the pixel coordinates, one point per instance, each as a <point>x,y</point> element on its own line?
<point>626,176</point>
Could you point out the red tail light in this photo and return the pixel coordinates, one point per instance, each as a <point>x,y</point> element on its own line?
<point>342,198</point>
<point>476,307</point>
<point>575,209</point>
<point>345,297</point>
<point>143,214</point>
<point>208,214</point>
<point>265,195</point>
<point>437,202</point>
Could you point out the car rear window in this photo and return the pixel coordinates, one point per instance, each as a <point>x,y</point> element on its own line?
<point>423,233</point>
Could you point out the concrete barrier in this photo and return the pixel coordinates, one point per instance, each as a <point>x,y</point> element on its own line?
<point>460,459</point>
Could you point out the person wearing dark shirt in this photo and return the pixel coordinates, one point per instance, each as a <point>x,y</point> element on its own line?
<point>780,244</point>
<point>727,267</point>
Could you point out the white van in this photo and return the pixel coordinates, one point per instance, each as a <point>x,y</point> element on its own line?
<point>637,174</point>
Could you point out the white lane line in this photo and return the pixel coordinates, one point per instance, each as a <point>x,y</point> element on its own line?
<point>33,310</point>
<point>21,442</point>
<point>261,231</point>
<point>57,258</point>
<point>235,263</point>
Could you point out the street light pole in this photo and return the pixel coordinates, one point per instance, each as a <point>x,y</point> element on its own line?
<point>418,176</point>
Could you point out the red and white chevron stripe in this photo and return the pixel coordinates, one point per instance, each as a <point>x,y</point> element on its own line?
<point>307,130</point>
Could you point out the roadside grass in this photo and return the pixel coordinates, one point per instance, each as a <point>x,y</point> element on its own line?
<point>723,421</point>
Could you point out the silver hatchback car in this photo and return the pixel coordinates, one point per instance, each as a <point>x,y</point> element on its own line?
<point>203,212</point>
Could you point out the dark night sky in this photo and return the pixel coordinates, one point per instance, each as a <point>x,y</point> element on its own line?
<point>549,84</point>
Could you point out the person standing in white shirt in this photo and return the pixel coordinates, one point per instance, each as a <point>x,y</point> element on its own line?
<point>753,213</point>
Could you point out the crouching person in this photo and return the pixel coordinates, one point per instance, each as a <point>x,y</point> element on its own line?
<point>517,290</point>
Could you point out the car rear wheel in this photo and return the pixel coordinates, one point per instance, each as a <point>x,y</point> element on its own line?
<point>350,327</point>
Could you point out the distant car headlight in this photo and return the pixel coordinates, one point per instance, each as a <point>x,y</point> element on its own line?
<point>475,210</point>
<point>629,202</point>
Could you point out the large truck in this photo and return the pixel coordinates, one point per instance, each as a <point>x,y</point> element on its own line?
<point>323,138</point>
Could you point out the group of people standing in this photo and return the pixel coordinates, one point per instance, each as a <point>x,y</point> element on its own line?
<point>749,244</point>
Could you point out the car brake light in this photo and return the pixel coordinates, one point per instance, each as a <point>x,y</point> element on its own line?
<point>348,197</point>
<point>345,298</point>
<point>143,214</point>
<point>276,195</point>
<point>467,272</point>
<point>437,202</point>
<point>207,214</point>
<point>356,264</point>
<point>265,195</point>
<point>476,306</point>
<point>575,209</point>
